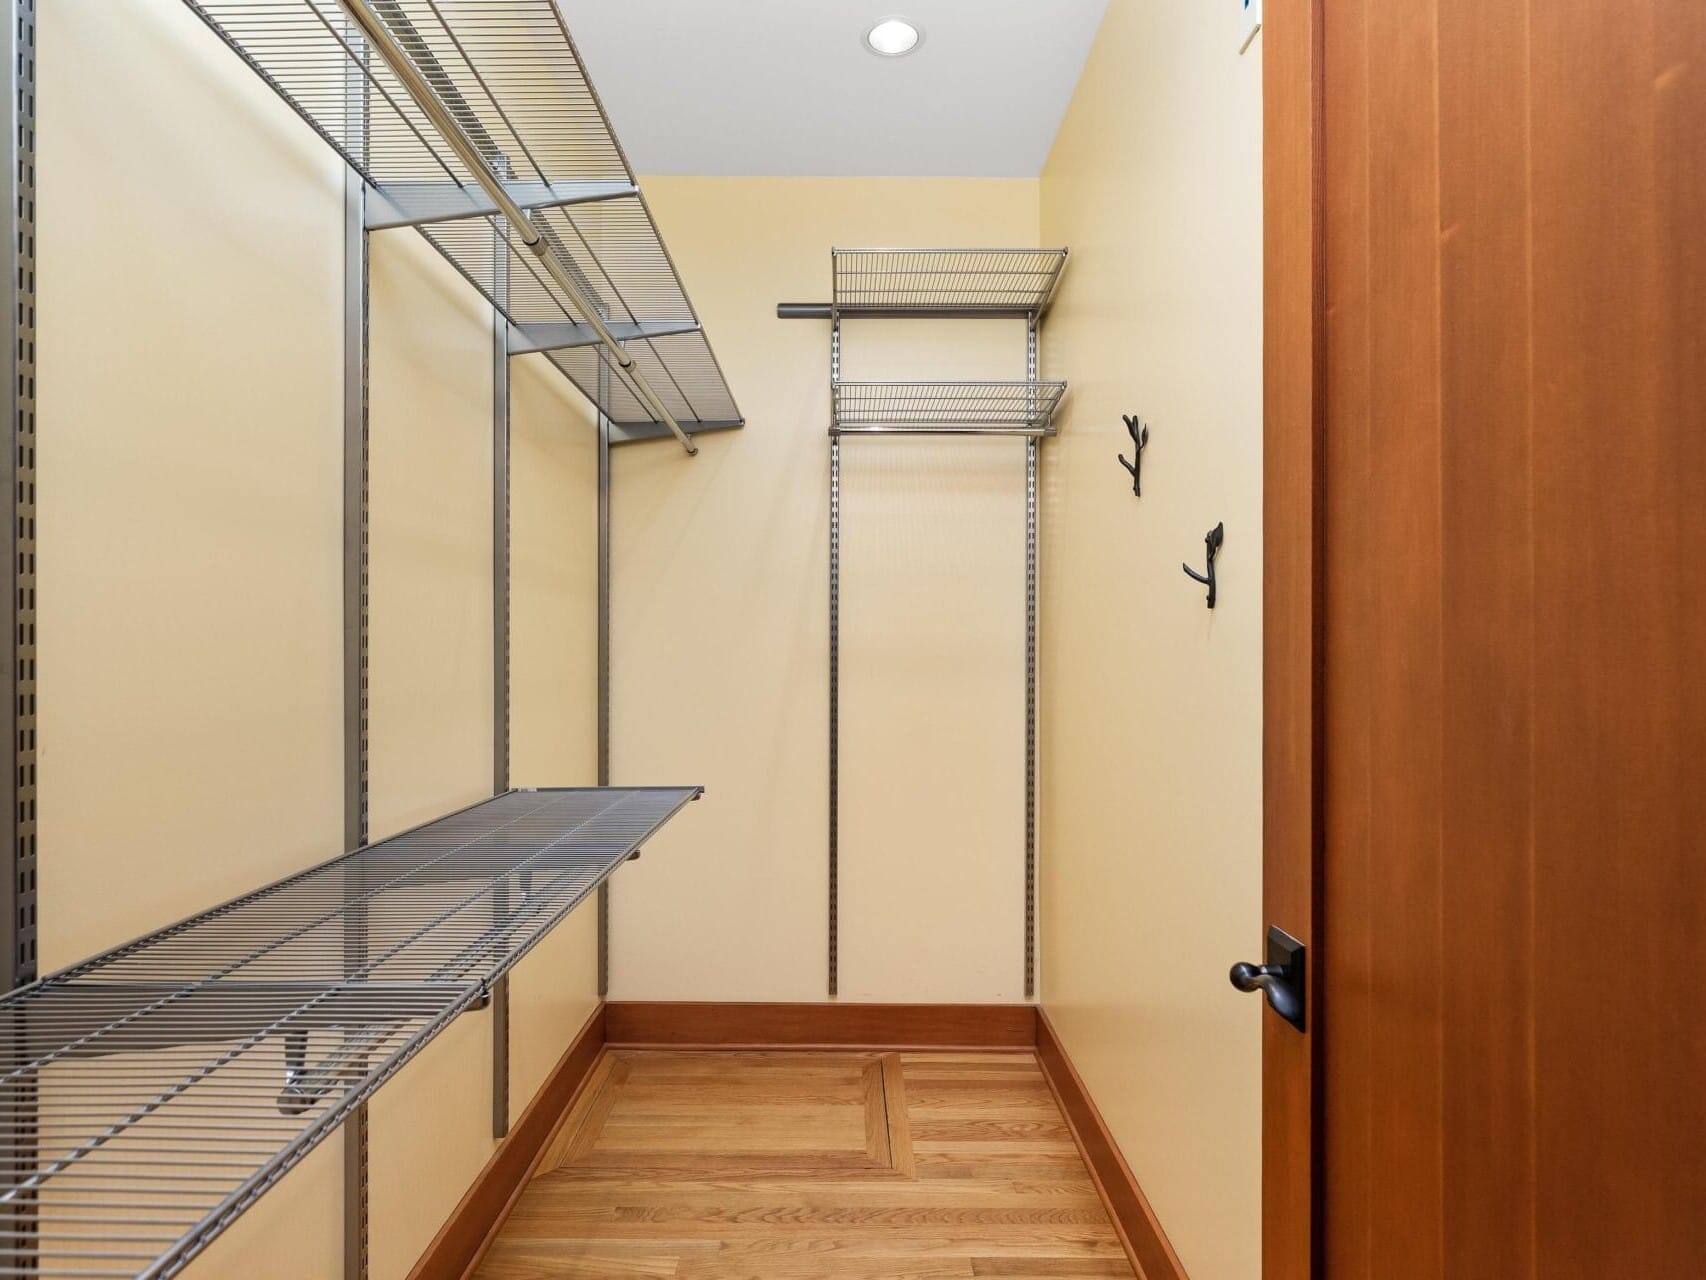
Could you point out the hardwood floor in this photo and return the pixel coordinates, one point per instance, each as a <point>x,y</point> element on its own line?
<point>784,1166</point>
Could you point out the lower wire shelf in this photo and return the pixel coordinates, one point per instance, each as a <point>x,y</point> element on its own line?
<point>150,1095</point>
<point>944,408</point>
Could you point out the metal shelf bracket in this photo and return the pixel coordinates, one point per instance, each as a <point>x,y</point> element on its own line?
<point>418,204</point>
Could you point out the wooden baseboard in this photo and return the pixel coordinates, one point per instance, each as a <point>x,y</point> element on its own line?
<point>710,1025</point>
<point>474,1223</point>
<point>1139,1230</point>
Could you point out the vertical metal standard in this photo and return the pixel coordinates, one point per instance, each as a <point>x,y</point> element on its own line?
<point>355,1194</point>
<point>834,712</point>
<point>603,643</point>
<point>20,1127</point>
<point>357,470</point>
<point>500,521</point>
<point>1030,719</point>
<point>1031,444</point>
<point>18,897</point>
<point>500,639</point>
<point>500,1057</point>
<point>834,676</point>
<point>355,537</point>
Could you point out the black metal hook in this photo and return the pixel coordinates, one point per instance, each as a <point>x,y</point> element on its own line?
<point>1211,543</point>
<point>1139,437</point>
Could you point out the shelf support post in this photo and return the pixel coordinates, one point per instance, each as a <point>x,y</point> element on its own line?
<point>355,1194</point>
<point>1031,462</point>
<point>500,636</point>
<point>356,472</point>
<point>355,516</point>
<point>500,518</point>
<point>603,658</point>
<point>20,1130</point>
<point>500,1058</point>
<point>834,676</point>
<point>17,253</point>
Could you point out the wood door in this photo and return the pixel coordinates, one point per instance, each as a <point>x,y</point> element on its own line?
<point>1491,633</point>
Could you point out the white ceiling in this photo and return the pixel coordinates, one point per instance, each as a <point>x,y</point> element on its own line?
<point>788,87</point>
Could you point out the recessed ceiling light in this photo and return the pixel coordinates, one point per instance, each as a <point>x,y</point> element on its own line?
<point>893,38</point>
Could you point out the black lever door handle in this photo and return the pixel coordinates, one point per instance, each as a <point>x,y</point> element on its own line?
<point>1247,977</point>
<point>1280,980</point>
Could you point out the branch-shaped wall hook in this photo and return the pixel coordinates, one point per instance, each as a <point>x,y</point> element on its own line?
<point>1139,437</point>
<point>1211,543</point>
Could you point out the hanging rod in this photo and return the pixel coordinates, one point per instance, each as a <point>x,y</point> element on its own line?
<point>427,100</point>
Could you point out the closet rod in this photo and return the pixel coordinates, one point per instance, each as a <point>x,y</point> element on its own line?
<point>427,100</point>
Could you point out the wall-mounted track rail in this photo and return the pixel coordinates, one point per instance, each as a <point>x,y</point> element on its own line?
<point>153,1092</point>
<point>478,117</point>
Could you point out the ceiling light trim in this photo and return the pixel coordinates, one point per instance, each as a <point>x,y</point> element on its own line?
<point>897,21</point>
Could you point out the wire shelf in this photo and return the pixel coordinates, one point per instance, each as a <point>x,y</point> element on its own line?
<point>510,76</point>
<point>945,282</point>
<point>149,1095</point>
<point>945,408</point>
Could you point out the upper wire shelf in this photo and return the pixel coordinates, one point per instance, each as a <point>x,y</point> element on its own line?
<point>1010,283</point>
<point>510,77</point>
<point>151,1094</point>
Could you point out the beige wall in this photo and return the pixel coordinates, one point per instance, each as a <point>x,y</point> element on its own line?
<point>719,629</point>
<point>430,736</point>
<point>190,567</point>
<point>430,682</point>
<point>553,683</point>
<point>430,536</point>
<point>1151,712</point>
<point>189,449</point>
<point>189,506</point>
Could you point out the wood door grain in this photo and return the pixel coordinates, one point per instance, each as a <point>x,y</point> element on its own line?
<point>1514,506</point>
<point>1293,411</point>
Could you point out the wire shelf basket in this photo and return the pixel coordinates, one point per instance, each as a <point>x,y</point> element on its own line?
<point>945,408</point>
<point>148,1096</point>
<point>945,282</point>
<point>510,77</point>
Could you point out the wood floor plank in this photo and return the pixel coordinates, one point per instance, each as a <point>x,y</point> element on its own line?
<point>876,1117</point>
<point>562,1196</point>
<point>583,1126</point>
<point>1049,1268</point>
<point>783,1166</point>
<point>895,1110</point>
<point>731,1267</point>
<point>553,1265</point>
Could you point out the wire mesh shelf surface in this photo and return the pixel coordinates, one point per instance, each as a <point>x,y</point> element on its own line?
<point>149,1095</point>
<point>945,282</point>
<point>511,78</point>
<point>945,408</point>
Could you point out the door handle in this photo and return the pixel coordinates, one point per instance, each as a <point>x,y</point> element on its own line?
<point>1282,980</point>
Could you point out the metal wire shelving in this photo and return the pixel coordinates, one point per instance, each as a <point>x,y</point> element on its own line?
<point>956,284</point>
<point>149,1095</point>
<point>490,93</point>
<point>961,284</point>
<point>948,283</point>
<point>944,408</point>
